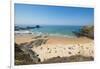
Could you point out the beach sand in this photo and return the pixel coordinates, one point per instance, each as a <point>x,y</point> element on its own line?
<point>53,40</point>
<point>59,46</point>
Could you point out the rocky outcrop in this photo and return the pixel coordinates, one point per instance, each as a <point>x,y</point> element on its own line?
<point>87,31</point>
<point>17,28</point>
<point>25,49</point>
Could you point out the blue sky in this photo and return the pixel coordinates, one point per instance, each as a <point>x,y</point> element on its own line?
<point>52,15</point>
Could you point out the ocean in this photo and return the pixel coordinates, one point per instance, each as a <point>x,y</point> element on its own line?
<point>54,30</point>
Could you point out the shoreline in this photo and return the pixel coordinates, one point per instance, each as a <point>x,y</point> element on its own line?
<point>22,38</point>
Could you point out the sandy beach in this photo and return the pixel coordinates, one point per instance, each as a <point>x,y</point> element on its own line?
<point>58,46</point>
<point>53,40</point>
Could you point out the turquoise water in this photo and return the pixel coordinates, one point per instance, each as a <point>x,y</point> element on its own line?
<point>55,30</point>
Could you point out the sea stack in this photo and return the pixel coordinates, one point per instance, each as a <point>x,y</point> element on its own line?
<point>37,26</point>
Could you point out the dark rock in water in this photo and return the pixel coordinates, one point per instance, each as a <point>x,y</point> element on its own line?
<point>37,26</point>
<point>17,28</point>
<point>30,27</point>
<point>86,31</point>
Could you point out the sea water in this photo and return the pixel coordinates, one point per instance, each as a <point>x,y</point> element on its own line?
<point>55,30</point>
